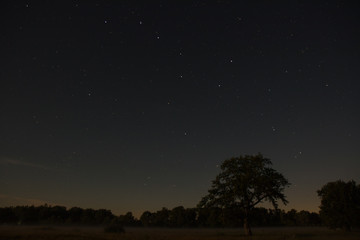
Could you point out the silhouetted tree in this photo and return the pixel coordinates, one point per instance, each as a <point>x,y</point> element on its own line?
<point>103,216</point>
<point>46,214</point>
<point>147,219</point>
<point>202,216</point>
<point>162,218</point>
<point>215,217</point>
<point>88,216</point>
<point>190,217</point>
<point>231,217</point>
<point>26,214</point>
<point>75,214</point>
<point>259,217</point>
<point>177,217</point>
<point>244,182</point>
<point>306,218</point>
<point>314,219</point>
<point>58,214</point>
<point>276,217</point>
<point>8,216</point>
<point>340,204</point>
<point>127,220</point>
<point>289,218</point>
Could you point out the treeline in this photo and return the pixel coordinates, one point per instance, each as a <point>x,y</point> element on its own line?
<point>61,216</point>
<point>217,217</point>
<point>176,217</point>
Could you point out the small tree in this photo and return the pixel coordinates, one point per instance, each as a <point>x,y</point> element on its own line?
<point>162,217</point>
<point>127,220</point>
<point>147,219</point>
<point>243,183</point>
<point>340,204</point>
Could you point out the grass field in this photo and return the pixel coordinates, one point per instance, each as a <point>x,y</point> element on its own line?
<point>97,233</point>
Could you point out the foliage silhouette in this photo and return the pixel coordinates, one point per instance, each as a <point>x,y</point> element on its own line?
<point>243,183</point>
<point>340,204</point>
<point>192,217</point>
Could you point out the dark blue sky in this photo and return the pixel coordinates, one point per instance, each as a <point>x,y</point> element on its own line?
<point>131,106</point>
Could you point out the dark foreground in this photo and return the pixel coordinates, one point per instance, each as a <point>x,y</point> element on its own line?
<point>97,233</point>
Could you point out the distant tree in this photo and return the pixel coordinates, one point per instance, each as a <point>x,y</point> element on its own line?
<point>8,216</point>
<point>190,217</point>
<point>88,216</point>
<point>162,218</point>
<point>340,204</point>
<point>232,217</point>
<point>147,219</point>
<point>202,216</point>
<point>260,217</point>
<point>306,218</point>
<point>58,214</point>
<point>302,218</point>
<point>75,214</point>
<point>103,216</point>
<point>177,217</point>
<point>314,219</point>
<point>127,220</point>
<point>26,214</point>
<point>243,183</point>
<point>46,214</point>
<point>215,217</point>
<point>290,218</point>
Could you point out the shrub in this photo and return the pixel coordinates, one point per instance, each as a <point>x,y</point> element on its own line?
<point>114,228</point>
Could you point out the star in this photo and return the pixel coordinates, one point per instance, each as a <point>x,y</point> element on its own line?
<point>239,82</point>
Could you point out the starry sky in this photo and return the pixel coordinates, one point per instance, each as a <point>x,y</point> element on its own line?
<point>132,105</point>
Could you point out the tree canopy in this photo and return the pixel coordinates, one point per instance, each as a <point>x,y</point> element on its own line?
<point>243,183</point>
<point>340,204</point>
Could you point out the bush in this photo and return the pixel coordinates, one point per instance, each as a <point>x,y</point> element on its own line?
<point>114,228</point>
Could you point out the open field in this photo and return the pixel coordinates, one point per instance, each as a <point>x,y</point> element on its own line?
<point>97,233</point>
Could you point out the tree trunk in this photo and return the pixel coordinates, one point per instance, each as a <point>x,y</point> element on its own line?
<point>247,227</point>
<point>247,224</point>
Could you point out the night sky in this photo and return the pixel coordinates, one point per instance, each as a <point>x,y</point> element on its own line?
<point>132,106</point>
